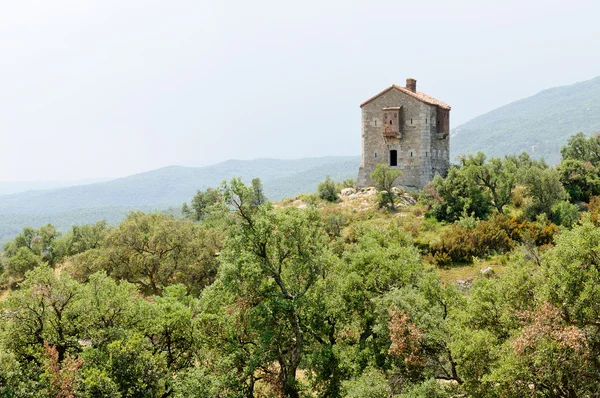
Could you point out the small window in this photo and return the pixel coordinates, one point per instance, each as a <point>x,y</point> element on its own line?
<point>411,154</point>
<point>375,154</point>
<point>393,157</point>
<point>425,154</point>
<point>410,121</point>
<point>390,122</point>
<point>425,121</point>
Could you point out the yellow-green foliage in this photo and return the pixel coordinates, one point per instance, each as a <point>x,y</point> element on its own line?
<point>500,234</point>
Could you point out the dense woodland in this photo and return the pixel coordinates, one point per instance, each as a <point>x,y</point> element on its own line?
<point>242,297</point>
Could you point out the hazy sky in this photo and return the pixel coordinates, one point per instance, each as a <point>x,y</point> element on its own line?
<point>109,88</point>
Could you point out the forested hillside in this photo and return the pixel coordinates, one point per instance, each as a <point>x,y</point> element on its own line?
<point>162,189</point>
<point>484,284</point>
<point>539,125</point>
<point>12,187</point>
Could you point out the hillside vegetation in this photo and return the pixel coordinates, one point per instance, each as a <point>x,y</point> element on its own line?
<point>539,125</point>
<point>161,189</point>
<point>484,284</point>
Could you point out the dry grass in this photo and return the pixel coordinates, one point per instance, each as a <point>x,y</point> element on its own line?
<point>469,272</point>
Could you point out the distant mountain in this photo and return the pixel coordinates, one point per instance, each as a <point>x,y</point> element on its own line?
<point>11,187</point>
<point>539,125</point>
<point>168,187</point>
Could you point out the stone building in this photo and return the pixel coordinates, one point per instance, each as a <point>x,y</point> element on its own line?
<point>408,130</point>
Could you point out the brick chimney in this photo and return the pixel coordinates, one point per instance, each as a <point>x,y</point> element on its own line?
<point>411,84</point>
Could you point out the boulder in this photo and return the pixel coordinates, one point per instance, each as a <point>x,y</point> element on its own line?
<point>347,191</point>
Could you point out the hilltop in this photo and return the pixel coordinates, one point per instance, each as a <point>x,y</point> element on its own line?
<point>539,125</point>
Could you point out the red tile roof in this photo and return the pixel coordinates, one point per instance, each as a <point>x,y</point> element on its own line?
<point>418,95</point>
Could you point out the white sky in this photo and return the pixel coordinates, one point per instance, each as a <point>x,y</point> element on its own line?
<point>108,88</point>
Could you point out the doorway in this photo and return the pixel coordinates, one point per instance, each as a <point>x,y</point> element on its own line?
<point>393,157</point>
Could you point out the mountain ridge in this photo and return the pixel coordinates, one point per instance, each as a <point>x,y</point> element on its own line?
<point>539,124</point>
<point>164,188</point>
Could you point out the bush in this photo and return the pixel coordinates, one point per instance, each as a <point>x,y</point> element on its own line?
<point>327,190</point>
<point>497,235</point>
<point>24,260</point>
<point>347,183</point>
<point>371,384</point>
<point>334,224</point>
<point>565,213</point>
<point>385,179</point>
<point>594,208</point>
<point>428,389</point>
<point>461,244</point>
<point>456,195</point>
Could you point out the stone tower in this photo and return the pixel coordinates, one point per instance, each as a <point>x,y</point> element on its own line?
<point>408,130</point>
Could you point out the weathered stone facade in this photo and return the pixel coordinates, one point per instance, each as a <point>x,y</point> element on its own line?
<point>408,130</point>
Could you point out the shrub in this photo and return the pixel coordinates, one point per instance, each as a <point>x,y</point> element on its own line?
<point>497,235</point>
<point>327,190</point>
<point>385,179</point>
<point>545,190</point>
<point>456,195</point>
<point>347,183</point>
<point>594,209</point>
<point>428,389</point>
<point>334,223</point>
<point>371,384</point>
<point>518,197</point>
<point>565,213</point>
<point>461,244</point>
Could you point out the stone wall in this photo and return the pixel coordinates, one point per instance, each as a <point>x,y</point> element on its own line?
<point>422,150</point>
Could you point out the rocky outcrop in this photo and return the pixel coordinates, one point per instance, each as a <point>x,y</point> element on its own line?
<point>368,196</point>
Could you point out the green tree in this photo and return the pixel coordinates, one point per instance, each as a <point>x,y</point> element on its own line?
<point>42,242</point>
<point>457,196</point>
<point>258,193</point>
<point>136,369</point>
<point>20,262</point>
<point>553,353</point>
<point>385,179</point>
<point>580,179</point>
<point>583,149</point>
<point>580,166</point>
<point>170,327</point>
<point>273,260</point>
<point>83,237</point>
<point>45,310</point>
<point>497,177</point>
<point>371,384</point>
<point>154,251</point>
<point>203,203</point>
<point>544,188</point>
<point>110,309</point>
<point>327,190</point>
